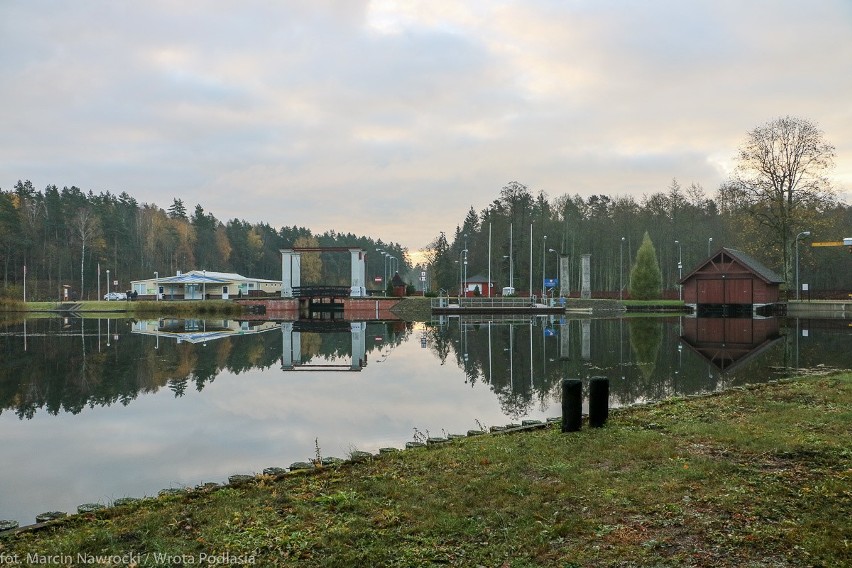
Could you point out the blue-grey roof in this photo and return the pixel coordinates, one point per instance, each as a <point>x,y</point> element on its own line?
<point>755,266</point>
<point>761,270</point>
<point>191,279</point>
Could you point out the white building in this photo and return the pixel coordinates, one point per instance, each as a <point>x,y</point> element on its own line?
<point>200,284</point>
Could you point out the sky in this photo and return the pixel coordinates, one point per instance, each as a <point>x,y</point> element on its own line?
<point>392,119</point>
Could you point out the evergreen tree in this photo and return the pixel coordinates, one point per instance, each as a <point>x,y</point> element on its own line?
<point>177,210</point>
<point>645,277</point>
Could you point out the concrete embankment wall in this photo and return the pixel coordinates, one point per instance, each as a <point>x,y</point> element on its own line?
<point>826,308</point>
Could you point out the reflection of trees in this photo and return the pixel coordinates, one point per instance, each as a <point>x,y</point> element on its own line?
<point>646,336</point>
<point>641,359</point>
<point>499,355</point>
<point>72,364</point>
<point>640,356</point>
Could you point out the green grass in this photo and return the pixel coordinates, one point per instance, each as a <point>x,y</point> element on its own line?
<point>653,302</point>
<point>187,308</point>
<point>753,477</point>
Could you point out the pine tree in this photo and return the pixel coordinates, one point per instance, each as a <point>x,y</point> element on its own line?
<point>646,280</point>
<point>177,210</point>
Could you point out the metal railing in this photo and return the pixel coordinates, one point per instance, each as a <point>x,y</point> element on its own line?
<point>485,303</point>
<point>321,291</point>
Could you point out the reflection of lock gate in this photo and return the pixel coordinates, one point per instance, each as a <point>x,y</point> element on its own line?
<point>291,356</point>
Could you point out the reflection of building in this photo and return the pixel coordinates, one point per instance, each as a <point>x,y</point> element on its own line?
<point>201,284</point>
<point>291,335</point>
<point>730,283</point>
<point>729,342</point>
<point>199,330</point>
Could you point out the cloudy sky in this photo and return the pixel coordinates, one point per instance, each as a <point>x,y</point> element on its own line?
<point>392,118</point>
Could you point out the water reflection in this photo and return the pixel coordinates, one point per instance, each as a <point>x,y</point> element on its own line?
<point>727,343</point>
<point>130,407</point>
<point>69,364</point>
<point>523,362</point>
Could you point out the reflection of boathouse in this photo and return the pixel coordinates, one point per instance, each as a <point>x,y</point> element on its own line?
<point>727,343</point>
<point>730,283</point>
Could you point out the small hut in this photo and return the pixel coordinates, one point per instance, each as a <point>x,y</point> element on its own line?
<point>730,282</point>
<point>398,286</point>
<point>480,283</point>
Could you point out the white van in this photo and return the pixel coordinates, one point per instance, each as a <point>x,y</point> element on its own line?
<point>508,291</point>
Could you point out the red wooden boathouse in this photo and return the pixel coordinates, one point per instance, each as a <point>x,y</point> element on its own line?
<point>730,282</point>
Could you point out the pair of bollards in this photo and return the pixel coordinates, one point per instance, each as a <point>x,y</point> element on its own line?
<point>572,403</point>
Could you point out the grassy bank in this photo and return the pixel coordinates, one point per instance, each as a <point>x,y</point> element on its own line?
<point>144,308</point>
<point>414,308</point>
<point>754,477</point>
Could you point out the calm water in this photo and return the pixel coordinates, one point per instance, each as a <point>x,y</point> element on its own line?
<point>93,410</point>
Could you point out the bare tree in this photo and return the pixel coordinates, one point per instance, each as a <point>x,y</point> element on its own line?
<point>780,180</point>
<point>86,228</point>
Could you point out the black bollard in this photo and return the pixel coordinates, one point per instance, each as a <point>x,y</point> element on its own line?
<point>572,405</point>
<point>598,401</point>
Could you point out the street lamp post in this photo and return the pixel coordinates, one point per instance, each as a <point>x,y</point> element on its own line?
<point>465,264</point>
<point>802,234</point>
<point>621,270</point>
<point>394,266</point>
<point>157,285</point>
<point>679,270</point>
<point>709,245</point>
<point>511,263</point>
<point>461,276</point>
<point>108,298</point>
<point>386,256</point>
<point>543,255</point>
<point>531,258</point>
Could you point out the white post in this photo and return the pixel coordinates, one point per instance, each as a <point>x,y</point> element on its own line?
<point>489,262</point>
<point>511,260</point>
<point>287,345</point>
<point>286,273</point>
<point>359,349</point>
<point>586,339</point>
<point>564,276</point>
<point>358,271</point>
<point>531,260</point>
<point>291,268</point>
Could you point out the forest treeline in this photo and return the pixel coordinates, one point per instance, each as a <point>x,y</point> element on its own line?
<point>683,223</point>
<point>63,235</point>
<point>778,199</point>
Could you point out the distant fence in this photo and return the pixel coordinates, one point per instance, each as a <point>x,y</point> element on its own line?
<point>484,303</point>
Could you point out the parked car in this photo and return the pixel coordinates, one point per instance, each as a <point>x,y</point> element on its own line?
<point>110,296</point>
